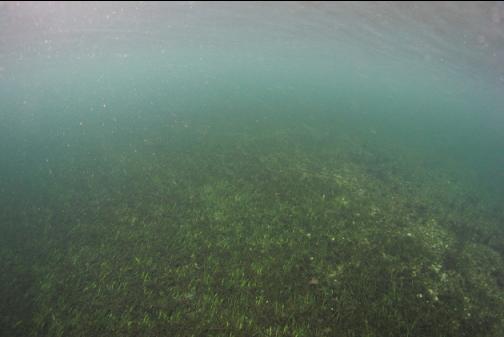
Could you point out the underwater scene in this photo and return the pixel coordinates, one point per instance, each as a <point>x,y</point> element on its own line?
<point>240,169</point>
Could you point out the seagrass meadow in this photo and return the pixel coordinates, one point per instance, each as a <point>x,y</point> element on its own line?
<point>251,169</point>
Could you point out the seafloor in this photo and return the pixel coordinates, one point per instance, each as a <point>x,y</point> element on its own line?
<point>244,228</point>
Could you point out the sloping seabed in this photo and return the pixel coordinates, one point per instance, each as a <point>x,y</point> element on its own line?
<point>272,233</point>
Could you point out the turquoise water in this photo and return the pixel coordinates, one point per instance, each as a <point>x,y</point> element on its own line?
<point>251,169</point>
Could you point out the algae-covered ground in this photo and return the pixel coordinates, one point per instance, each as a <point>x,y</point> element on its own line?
<point>244,228</point>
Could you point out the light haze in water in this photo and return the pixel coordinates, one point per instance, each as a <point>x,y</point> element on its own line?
<point>252,169</point>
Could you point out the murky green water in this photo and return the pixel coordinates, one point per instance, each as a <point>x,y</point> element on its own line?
<point>251,169</point>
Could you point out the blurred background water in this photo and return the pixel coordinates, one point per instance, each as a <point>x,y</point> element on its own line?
<point>424,77</point>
